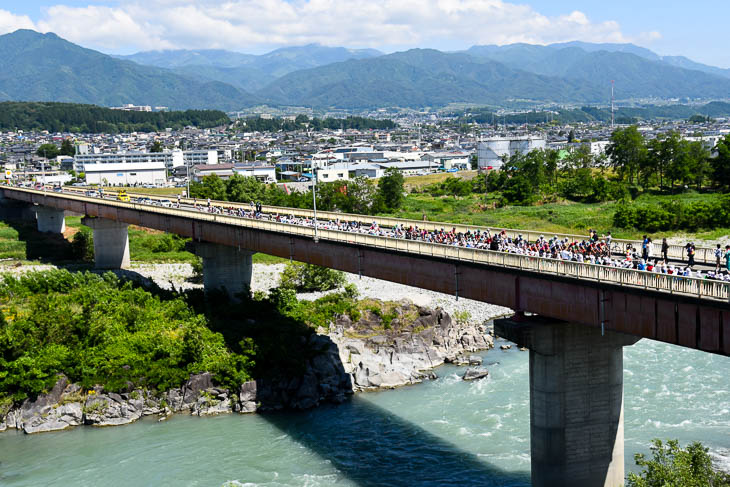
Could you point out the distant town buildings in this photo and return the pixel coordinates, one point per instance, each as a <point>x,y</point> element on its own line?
<point>134,108</point>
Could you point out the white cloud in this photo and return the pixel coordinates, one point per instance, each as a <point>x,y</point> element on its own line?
<point>251,25</point>
<point>10,22</point>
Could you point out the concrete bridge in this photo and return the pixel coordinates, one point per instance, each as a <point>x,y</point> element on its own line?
<point>574,317</point>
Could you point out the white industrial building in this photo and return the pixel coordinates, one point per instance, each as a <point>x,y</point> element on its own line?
<point>171,159</point>
<point>492,151</point>
<point>128,173</point>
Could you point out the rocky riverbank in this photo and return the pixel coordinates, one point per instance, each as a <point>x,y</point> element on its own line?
<point>349,357</point>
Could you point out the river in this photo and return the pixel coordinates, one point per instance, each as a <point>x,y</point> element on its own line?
<point>440,433</point>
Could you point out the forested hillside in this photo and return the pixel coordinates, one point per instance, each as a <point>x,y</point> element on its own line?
<point>72,117</point>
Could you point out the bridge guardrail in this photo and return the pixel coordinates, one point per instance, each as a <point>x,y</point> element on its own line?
<point>702,288</point>
<point>676,252</point>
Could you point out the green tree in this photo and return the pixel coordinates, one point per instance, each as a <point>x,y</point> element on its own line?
<point>627,151</point>
<point>156,146</point>
<point>390,188</point>
<point>211,187</point>
<point>67,148</point>
<point>244,189</point>
<point>49,151</point>
<point>519,190</point>
<point>721,163</point>
<point>698,158</point>
<point>672,466</point>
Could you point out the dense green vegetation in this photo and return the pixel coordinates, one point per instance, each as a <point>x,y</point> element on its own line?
<point>100,330</point>
<point>672,466</point>
<point>697,113</point>
<point>674,214</point>
<point>76,118</point>
<point>302,122</point>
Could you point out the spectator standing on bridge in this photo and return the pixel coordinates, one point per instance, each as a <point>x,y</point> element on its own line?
<point>718,258</point>
<point>645,248</point>
<point>727,258</point>
<point>690,254</point>
<point>649,245</point>
<point>665,250</point>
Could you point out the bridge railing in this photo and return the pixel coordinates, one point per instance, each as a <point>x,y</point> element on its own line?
<point>702,288</point>
<point>675,252</point>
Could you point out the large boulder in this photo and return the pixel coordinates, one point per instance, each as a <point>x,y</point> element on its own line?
<point>247,397</point>
<point>475,373</point>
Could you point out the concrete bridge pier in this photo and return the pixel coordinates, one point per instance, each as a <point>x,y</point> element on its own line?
<point>111,242</point>
<point>576,401</point>
<point>50,220</point>
<point>225,268</point>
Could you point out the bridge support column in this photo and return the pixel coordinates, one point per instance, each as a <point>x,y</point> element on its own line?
<point>225,268</point>
<point>50,220</point>
<point>111,243</point>
<point>576,401</point>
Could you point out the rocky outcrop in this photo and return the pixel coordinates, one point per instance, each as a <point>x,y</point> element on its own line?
<point>61,408</point>
<point>405,353</point>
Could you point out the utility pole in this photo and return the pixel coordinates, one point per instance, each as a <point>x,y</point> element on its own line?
<point>187,168</point>
<point>43,169</point>
<point>314,201</point>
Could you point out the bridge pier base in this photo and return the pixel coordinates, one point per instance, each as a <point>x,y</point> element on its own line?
<point>111,242</point>
<point>576,401</point>
<point>225,268</point>
<point>50,220</point>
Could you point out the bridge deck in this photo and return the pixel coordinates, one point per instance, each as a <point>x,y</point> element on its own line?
<point>676,252</point>
<point>686,311</point>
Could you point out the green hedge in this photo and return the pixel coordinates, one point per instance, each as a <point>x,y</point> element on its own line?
<point>674,215</point>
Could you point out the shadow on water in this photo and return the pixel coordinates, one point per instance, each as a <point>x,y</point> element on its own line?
<point>374,447</point>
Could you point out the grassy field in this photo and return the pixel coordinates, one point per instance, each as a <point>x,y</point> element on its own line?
<point>563,217</point>
<point>420,181</point>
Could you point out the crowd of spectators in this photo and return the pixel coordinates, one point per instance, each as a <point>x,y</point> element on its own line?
<point>591,250</point>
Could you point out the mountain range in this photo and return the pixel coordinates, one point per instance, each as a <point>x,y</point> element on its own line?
<point>45,67</point>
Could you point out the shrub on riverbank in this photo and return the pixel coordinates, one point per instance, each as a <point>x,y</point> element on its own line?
<point>310,278</point>
<point>101,330</point>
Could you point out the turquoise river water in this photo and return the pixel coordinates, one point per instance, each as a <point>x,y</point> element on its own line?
<point>440,433</point>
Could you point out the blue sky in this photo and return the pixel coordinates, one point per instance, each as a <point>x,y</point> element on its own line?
<point>670,27</point>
